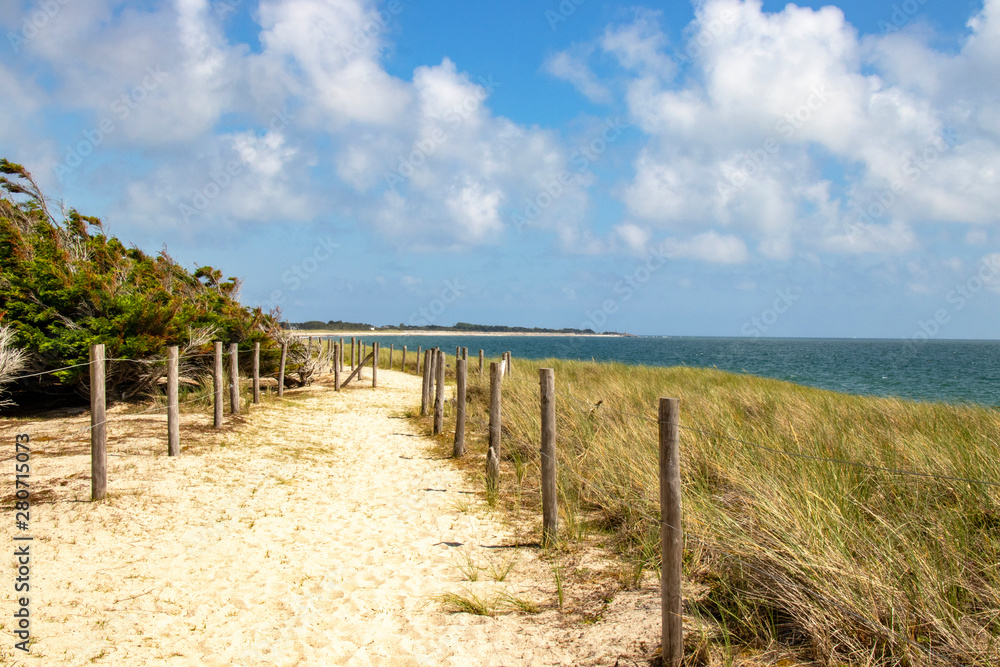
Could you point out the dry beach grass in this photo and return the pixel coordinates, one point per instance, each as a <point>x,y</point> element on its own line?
<point>322,529</point>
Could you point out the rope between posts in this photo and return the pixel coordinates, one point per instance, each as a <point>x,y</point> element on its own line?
<point>810,457</point>
<point>858,464</point>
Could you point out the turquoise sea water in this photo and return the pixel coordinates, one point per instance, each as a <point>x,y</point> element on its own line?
<point>938,370</point>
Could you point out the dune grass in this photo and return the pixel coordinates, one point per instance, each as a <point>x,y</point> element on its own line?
<point>842,563</point>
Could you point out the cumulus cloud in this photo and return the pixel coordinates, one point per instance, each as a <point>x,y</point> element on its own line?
<point>771,100</point>
<point>763,135</point>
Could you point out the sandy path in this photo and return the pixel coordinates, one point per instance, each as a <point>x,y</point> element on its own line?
<point>317,533</point>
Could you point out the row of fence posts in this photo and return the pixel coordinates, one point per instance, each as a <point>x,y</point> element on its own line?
<point>671,535</point>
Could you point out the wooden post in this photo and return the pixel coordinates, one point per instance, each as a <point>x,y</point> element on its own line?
<point>458,353</point>
<point>425,387</point>
<point>374,365</point>
<point>465,353</point>
<point>402,364</point>
<point>480,363</point>
<point>336,367</point>
<point>98,426</point>
<point>217,385</point>
<point>439,394</point>
<point>418,358</point>
<point>352,352</point>
<point>357,371</point>
<point>256,372</point>
<point>342,352</point>
<point>550,510</point>
<point>281,370</point>
<point>392,348</point>
<point>173,407</point>
<point>460,372</point>
<point>234,379</point>
<point>671,535</point>
<point>493,453</point>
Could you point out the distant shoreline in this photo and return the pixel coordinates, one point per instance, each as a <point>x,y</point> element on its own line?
<point>382,332</point>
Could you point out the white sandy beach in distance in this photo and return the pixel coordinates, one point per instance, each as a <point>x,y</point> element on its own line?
<point>378,332</point>
<point>317,532</point>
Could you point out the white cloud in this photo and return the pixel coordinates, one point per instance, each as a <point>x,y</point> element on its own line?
<point>639,46</point>
<point>771,99</point>
<point>328,57</point>
<point>709,246</point>
<point>573,68</point>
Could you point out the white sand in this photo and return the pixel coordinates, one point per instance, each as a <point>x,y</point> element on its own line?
<point>316,533</point>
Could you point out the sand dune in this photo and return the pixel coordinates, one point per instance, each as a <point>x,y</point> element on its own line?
<point>320,532</point>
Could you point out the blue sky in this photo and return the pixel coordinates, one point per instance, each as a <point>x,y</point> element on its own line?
<point>716,168</point>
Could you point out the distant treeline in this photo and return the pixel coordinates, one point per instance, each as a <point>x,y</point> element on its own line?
<point>339,325</point>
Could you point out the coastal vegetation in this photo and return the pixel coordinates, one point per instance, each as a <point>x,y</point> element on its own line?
<point>461,327</point>
<point>838,528</point>
<point>65,284</point>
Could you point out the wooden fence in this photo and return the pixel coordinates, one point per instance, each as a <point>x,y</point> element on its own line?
<point>432,400</point>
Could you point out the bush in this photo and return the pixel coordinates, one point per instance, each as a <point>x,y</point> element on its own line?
<point>66,285</point>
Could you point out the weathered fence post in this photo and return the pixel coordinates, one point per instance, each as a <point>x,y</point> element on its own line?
<point>342,352</point>
<point>374,365</point>
<point>480,363</point>
<point>352,352</point>
<point>465,353</point>
<point>336,367</point>
<point>256,372</point>
<point>98,426</point>
<point>425,388</point>
<point>392,348</point>
<point>402,364</point>
<point>281,369</point>
<point>217,385</point>
<point>461,367</point>
<point>493,453</point>
<point>458,352</point>
<point>173,407</point>
<point>550,510</point>
<point>234,379</point>
<point>439,393</point>
<point>671,534</point>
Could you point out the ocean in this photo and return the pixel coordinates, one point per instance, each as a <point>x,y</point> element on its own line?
<point>953,371</point>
